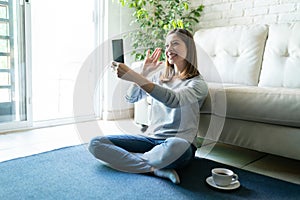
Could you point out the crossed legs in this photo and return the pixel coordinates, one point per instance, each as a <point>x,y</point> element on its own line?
<point>139,154</point>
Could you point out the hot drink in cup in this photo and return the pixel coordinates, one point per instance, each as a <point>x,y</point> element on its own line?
<point>223,177</point>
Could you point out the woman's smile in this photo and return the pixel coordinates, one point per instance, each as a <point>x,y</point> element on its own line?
<point>175,50</point>
<point>171,55</point>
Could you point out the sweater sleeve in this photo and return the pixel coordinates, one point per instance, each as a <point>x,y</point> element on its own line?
<point>134,94</point>
<point>195,90</point>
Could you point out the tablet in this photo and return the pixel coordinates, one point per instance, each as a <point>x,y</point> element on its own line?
<point>118,51</point>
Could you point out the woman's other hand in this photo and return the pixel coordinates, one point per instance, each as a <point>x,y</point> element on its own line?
<point>151,63</point>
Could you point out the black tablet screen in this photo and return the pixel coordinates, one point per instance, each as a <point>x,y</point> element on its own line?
<point>118,51</point>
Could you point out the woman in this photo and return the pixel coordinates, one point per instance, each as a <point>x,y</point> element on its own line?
<point>177,95</point>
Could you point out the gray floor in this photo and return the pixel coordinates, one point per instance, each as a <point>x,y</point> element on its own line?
<point>20,144</point>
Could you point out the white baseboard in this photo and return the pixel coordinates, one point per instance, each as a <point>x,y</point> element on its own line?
<point>117,114</point>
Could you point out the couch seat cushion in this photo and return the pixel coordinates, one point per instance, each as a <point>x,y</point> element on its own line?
<point>270,105</point>
<point>208,107</point>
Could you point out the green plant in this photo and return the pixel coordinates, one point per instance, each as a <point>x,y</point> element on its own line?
<point>155,18</point>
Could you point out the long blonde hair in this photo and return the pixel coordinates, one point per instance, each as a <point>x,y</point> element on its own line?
<point>190,70</point>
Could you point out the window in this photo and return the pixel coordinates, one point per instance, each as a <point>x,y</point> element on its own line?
<point>13,84</point>
<point>43,45</point>
<point>63,36</point>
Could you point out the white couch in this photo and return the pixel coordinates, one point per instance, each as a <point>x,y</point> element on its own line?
<point>253,73</point>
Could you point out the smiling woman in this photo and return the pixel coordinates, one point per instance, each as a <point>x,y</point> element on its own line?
<point>169,142</point>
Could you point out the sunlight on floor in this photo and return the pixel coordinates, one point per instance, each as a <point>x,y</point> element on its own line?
<point>24,143</point>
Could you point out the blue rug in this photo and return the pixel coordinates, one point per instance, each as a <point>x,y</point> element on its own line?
<point>72,173</point>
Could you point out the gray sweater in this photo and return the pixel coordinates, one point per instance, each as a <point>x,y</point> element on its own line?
<point>175,106</point>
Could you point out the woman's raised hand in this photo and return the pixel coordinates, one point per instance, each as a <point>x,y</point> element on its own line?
<point>151,62</point>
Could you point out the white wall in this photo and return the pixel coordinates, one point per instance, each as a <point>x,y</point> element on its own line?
<point>235,12</point>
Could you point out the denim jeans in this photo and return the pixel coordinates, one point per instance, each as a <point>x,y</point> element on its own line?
<point>139,154</point>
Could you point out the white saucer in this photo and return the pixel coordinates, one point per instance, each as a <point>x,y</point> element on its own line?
<point>232,186</point>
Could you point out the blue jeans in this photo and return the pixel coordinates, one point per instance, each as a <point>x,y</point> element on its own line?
<point>139,154</point>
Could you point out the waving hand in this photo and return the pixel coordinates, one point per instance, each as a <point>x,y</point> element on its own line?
<point>151,62</point>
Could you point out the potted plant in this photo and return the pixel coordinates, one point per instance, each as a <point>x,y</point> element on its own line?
<point>155,18</point>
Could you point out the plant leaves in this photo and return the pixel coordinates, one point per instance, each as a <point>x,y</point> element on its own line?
<point>155,18</point>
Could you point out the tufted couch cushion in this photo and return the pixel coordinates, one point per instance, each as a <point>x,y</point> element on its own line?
<point>281,61</point>
<point>231,54</point>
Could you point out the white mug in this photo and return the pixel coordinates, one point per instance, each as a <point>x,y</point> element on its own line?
<point>223,177</point>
